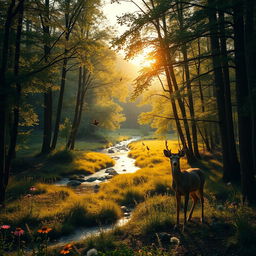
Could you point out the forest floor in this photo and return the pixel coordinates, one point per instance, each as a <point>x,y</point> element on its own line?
<point>229,228</point>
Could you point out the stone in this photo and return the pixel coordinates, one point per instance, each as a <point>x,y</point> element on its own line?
<point>124,208</point>
<point>111,151</point>
<point>91,179</point>
<point>113,172</point>
<point>126,214</point>
<point>101,178</point>
<point>124,170</point>
<point>73,183</point>
<point>109,177</point>
<point>109,170</point>
<point>97,186</point>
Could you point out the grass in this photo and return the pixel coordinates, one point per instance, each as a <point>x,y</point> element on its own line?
<point>61,209</point>
<point>149,192</point>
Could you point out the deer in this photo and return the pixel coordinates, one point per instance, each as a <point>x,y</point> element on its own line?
<point>185,183</point>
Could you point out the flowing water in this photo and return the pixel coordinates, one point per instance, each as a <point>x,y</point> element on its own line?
<point>123,164</point>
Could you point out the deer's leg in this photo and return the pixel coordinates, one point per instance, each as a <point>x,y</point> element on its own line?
<point>186,207</point>
<point>195,199</point>
<point>202,204</point>
<point>178,199</point>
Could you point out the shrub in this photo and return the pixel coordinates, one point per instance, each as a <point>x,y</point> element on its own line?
<point>155,213</point>
<point>132,196</point>
<point>245,234</point>
<point>109,213</point>
<point>78,215</point>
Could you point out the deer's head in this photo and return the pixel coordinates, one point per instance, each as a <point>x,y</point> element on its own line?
<point>174,158</point>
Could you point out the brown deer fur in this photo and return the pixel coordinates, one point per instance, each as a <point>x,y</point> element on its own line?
<point>185,183</point>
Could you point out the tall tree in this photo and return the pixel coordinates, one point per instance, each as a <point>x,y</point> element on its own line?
<point>71,14</point>
<point>243,109</point>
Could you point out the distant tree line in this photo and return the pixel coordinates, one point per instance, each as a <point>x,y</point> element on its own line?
<point>205,54</point>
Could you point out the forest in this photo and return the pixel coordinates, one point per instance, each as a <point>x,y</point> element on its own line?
<point>127,127</point>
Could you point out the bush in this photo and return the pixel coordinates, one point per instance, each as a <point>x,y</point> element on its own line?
<point>78,215</point>
<point>109,213</point>
<point>154,214</point>
<point>132,196</point>
<point>245,234</point>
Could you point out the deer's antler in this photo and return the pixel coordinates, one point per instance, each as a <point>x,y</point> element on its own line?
<point>166,145</point>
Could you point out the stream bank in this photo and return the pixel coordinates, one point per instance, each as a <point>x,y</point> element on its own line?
<point>123,164</point>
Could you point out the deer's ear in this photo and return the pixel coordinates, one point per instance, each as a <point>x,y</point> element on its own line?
<point>167,153</point>
<point>182,153</point>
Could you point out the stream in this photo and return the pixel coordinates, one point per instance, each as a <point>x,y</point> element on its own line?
<point>123,164</point>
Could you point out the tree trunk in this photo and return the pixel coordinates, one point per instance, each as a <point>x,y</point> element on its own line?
<point>250,51</point>
<point>205,127</point>
<point>4,100</point>
<point>229,116</point>
<point>170,90</point>
<point>60,102</point>
<point>85,84</point>
<point>243,109</point>
<point>219,85</point>
<point>78,100</point>
<point>188,85</point>
<point>190,153</point>
<point>16,109</point>
<point>47,132</point>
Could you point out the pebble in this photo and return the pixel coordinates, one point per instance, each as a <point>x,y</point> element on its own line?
<point>91,179</point>
<point>73,183</point>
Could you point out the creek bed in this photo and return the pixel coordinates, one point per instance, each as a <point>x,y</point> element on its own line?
<point>123,164</point>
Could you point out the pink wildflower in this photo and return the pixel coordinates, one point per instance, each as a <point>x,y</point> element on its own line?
<point>18,232</point>
<point>5,226</point>
<point>32,188</point>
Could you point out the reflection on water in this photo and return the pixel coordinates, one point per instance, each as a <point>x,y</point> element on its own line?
<point>82,233</point>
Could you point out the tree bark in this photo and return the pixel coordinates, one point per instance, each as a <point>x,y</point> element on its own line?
<point>190,152</point>
<point>78,100</point>
<point>243,109</point>
<point>169,84</point>
<point>60,102</point>
<point>229,115</point>
<point>188,85</point>
<point>219,85</point>
<point>250,52</point>
<point>47,131</point>
<point>4,100</point>
<point>16,108</point>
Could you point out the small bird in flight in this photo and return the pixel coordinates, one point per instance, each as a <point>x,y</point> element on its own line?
<point>95,122</point>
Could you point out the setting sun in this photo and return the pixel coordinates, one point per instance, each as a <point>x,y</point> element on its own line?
<point>144,59</point>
